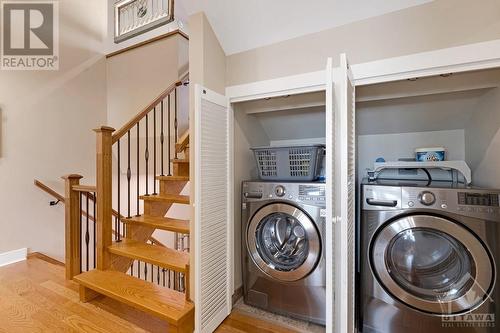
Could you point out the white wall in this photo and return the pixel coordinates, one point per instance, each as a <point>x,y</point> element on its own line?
<point>46,129</point>
<point>482,141</point>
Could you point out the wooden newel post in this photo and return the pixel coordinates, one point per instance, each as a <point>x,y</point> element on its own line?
<point>72,226</point>
<point>104,196</point>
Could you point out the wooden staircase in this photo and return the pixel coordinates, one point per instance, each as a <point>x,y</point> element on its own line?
<point>171,305</point>
<point>116,250</point>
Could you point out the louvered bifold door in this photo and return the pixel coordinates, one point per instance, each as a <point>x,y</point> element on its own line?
<point>345,198</point>
<point>330,198</point>
<point>212,264</point>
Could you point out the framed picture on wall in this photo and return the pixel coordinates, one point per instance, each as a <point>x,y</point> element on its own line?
<point>134,17</point>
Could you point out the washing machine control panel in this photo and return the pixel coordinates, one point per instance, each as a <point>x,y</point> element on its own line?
<point>309,193</point>
<point>479,203</point>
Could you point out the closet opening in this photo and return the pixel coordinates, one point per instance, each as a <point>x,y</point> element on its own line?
<point>279,223</point>
<point>459,112</point>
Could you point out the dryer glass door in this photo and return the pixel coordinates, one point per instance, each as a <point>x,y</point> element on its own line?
<point>283,242</point>
<point>432,264</point>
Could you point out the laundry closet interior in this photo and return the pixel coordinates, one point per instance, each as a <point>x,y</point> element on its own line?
<point>458,111</point>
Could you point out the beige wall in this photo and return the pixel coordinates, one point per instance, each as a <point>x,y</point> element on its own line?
<point>207,66</point>
<point>46,122</point>
<point>438,24</point>
<point>135,78</point>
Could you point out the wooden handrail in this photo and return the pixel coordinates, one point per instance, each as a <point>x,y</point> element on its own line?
<point>85,188</point>
<point>129,125</point>
<point>59,197</point>
<point>48,190</point>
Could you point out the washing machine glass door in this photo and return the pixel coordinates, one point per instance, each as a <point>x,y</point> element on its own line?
<point>283,242</point>
<point>432,264</point>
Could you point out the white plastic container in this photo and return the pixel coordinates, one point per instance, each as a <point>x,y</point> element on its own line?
<point>430,154</point>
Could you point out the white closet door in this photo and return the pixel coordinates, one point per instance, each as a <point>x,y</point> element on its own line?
<point>213,259</point>
<point>345,187</point>
<point>330,198</point>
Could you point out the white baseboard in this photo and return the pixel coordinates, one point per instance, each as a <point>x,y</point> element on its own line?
<point>11,257</point>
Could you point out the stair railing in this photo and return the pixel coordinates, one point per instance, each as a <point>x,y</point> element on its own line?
<point>80,229</point>
<point>150,155</point>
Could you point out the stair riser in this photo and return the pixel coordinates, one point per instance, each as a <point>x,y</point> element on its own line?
<point>156,208</point>
<point>171,186</point>
<point>181,169</point>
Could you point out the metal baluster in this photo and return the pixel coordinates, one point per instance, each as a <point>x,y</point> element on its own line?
<point>163,271</point>
<point>146,155</point>
<point>95,221</point>
<point>137,170</point>
<point>138,269</point>
<point>175,121</point>
<point>129,174</point>
<point>87,235</point>
<point>158,275</point>
<point>118,232</point>
<point>162,138</point>
<point>154,151</point>
<point>152,272</point>
<point>145,271</point>
<point>169,138</point>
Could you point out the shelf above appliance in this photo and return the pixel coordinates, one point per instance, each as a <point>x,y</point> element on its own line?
<point>460,166</point>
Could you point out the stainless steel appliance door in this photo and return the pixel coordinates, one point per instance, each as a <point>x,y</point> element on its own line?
<point>283,242</point>
<point>432,264</point>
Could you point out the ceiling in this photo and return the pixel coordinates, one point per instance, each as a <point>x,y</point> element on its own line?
<point>242,25</point>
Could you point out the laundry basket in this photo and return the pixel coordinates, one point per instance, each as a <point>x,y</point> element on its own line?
<point>290,163</point>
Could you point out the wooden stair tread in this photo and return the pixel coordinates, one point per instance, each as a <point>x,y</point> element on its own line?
<point>167,304</point>
<point>180,160</point>
<point>162,223</point>
<point>169,198</point>
<point>153,254</point>
<point>173,178</point>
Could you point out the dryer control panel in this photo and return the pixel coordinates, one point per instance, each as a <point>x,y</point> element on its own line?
<point>479,203</point>
<point>312,193</point>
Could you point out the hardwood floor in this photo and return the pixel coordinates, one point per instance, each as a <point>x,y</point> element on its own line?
<point>238,322</point>
<point>35,297</point>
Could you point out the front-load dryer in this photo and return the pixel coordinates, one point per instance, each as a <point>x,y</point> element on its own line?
<point>283,248</point>
<point>428,258</point>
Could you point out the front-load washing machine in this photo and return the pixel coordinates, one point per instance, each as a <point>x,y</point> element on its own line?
<point>282,247</point>
<point>428,258</point>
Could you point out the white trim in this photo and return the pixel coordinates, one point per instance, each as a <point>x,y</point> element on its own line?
<point>454,59</point>
<point>230,209</point>
<point>450,60</point>
<point>11,257</point>
<point>290,85</point>
<point>329,172</point>
<point>197,195</point>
